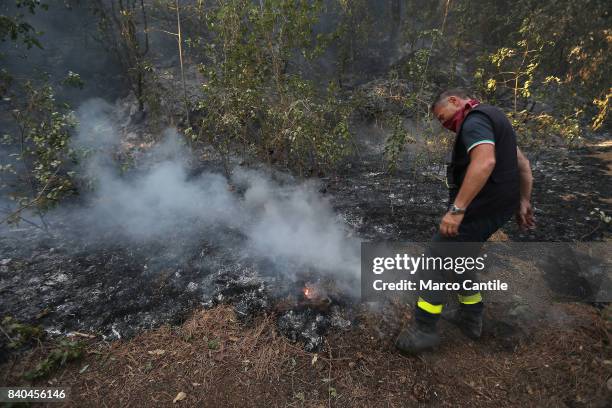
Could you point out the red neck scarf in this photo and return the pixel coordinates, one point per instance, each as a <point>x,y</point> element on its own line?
<point>454,123</point>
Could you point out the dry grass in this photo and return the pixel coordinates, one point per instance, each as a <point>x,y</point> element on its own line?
<point>216,361</point>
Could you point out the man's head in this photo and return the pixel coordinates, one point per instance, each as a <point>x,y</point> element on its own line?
<point>448,103</point>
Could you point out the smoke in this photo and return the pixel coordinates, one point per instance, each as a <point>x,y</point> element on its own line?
<point>295,222</point>
<point>288,224</point>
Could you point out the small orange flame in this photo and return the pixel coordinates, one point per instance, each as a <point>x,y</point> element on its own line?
<point>309,292</point>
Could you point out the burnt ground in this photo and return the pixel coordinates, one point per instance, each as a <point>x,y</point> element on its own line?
<point>114,292</point>
<point>568,185</point>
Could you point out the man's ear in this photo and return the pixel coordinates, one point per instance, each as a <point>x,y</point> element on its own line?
<point>453,100</point>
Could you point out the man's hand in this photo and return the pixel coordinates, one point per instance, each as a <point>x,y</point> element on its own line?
<point>449,226</point>
<point>524,216</point>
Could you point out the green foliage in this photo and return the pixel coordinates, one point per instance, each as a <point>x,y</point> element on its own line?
<point>351,35</point>
<point>603,107</point>
<point>396,142</point>
<point>38,173</point>
<point>307,132</point>
<point>123,28</point>
<point>518,55</point>
<point>526,43</point>
<point>15,28</point>
<point>536,132</point>
<point>512,68</point>
<point>256,99</point>
<point>422,38</point>
<point>65,351</point>
<point>252,100</point>
<point>74,80</point>
<point>19,333</point>
<point>213,344</point>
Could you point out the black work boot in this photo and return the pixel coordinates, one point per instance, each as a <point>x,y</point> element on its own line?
<point>469,319</point>
<point>423,335</point>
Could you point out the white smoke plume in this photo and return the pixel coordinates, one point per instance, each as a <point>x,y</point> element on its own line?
<point>289,223</point>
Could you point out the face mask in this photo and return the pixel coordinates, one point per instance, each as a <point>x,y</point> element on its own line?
<point>454,123</point>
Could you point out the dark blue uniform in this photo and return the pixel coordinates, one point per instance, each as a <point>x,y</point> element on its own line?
<point>492,207</point>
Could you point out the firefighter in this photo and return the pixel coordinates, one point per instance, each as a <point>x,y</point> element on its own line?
<point>489,181</point>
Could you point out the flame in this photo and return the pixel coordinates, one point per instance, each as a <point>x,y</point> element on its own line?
<point>309,292</point>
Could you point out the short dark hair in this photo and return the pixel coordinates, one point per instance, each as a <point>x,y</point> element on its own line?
<point>460,92</point>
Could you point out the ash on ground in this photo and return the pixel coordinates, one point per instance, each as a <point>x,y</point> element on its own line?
<point>305,321</point>
<point>309,326</point>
